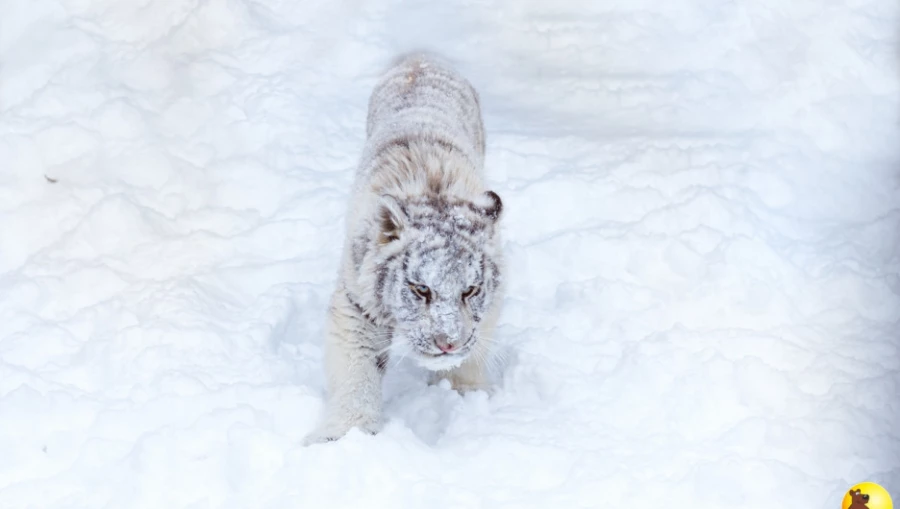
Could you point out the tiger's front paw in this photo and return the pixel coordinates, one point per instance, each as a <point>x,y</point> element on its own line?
<point>335,429</point>
<point>462,383</point>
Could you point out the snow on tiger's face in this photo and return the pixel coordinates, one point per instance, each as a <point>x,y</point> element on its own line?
<point>438,273</point>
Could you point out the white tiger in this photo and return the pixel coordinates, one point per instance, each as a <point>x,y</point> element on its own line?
<point>421,270</point>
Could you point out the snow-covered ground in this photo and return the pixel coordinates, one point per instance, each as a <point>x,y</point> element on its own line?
<point>702,227</point>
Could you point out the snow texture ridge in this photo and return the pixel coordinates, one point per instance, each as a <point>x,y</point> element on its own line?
<point>702,235</point>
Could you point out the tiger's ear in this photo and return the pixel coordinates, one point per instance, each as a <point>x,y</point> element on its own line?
<point>490,205</point>
<point>392,219</point>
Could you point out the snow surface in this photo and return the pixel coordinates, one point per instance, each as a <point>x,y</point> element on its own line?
<point>702,228</point>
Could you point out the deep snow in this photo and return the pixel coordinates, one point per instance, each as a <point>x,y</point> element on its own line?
<point>702,206</point>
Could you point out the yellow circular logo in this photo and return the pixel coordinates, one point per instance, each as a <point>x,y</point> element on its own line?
<point>867,495</point>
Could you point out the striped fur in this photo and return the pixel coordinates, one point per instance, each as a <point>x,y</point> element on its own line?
<point>420,218</point>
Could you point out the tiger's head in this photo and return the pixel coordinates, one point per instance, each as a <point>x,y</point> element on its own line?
<point>436,261</point>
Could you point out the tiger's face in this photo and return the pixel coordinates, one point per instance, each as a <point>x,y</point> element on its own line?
<point>437,276</point>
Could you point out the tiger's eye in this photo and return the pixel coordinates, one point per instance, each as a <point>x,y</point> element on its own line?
<point>470,291</point>
<point>420,290</point>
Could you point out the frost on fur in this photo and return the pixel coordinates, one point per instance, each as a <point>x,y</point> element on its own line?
<point>421,270</point>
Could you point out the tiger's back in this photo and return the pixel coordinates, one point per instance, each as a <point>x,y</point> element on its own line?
<point>423,98</point>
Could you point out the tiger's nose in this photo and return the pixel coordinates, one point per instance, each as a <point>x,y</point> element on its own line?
<point>442,341</point>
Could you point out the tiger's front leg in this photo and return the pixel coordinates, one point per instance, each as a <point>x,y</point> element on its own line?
<point>353,371</point>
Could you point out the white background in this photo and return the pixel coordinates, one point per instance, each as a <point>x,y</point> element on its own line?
<point>702,228</point>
